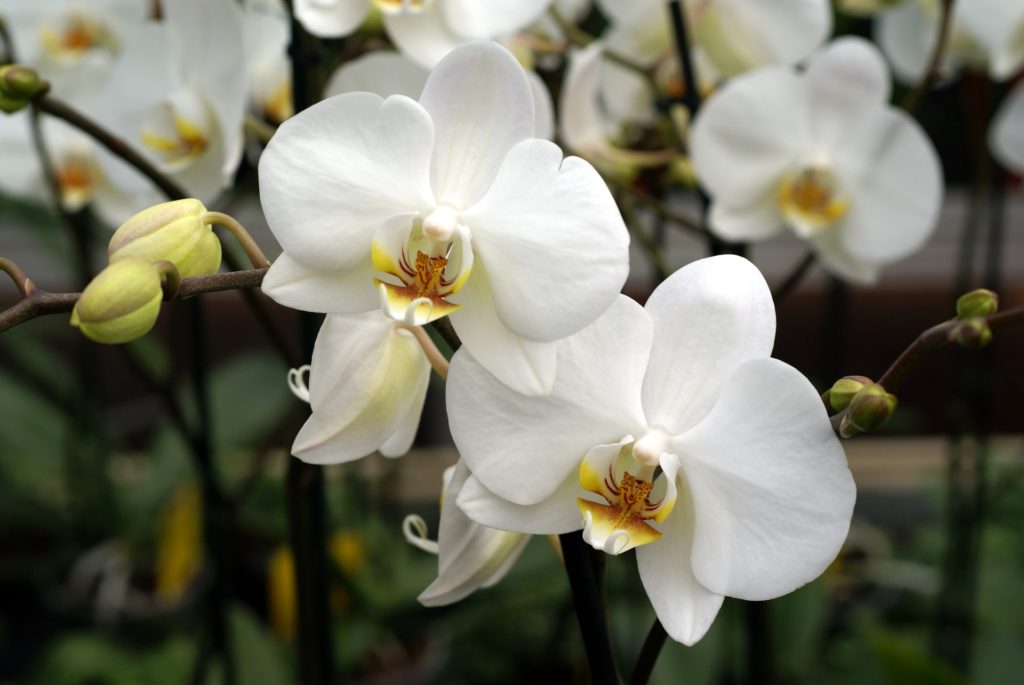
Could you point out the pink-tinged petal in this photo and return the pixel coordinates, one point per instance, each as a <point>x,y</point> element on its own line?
<point>334,172</point>
<point>749,133</point>
<point>553,515</point>
<point>348,291</point>
<point>521,448</point>
<point>772,495</point>
<point>481,104</point>
<point>366,378</point>
<point>895,181</point>
<point>522,365</point>
<point>1006,136</point>
<point>848,81</point>
<point>473,19</point>
<point>685,607</point>
<point>543,218</point>
<point>331,18</point>
<point>709,317</point>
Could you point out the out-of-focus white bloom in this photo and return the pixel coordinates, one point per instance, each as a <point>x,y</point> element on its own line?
<point>391,73</point>
<point>446,206</point>
<point>824,154</point>
<point>985,34</point>
<point>669,430</point>
<point>367,385</point>
<point>266,56</point>
<point>470,556</point>
<point>179,95</point>
<point>1006,136</point>
<point>425,30</point>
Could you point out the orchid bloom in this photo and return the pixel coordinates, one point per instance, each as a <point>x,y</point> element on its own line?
<point>469,556</point>
<point>267,32</point>
<point>367,384</point>
<point>425,30</point>
<point>446,206</point>
<point>985,34</point>
<point>1006,135</point>
<point>670,431</point>
<point>179,95</point>
<point>822,153</point>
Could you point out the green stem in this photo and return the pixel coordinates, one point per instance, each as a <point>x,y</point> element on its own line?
<point>584,580</point>
<point>649,652</point>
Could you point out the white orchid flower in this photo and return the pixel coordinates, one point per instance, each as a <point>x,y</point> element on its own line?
<point>824,154</point>
<point>985,34</point>
<point>446,206</point>
<point>1006,135</point>
<point>367,384</point>
<point>669,430</point>
<point>469,556</point>
<point>425,30</point>
<point>179,96</point>
<point>267,34</point>
<point>386,73</point>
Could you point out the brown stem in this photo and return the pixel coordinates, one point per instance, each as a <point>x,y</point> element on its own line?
<point>40,303</point>
<point>932,72</point>
<point>23,282</point>
<point>252,250</point>
<point>434,356</point>
<point>61,110</point>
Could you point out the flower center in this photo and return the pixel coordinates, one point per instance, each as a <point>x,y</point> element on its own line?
<point>72,35</point>
<point>178,130</point>
<point>811,200</point>
<point>76,178</point>
<point>627,487</point>
<point>399,6</point>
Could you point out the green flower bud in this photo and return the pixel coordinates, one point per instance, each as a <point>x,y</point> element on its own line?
<point>173,231</point>
<point>121,303</point>
<point>870,409</point>
<point>973,333</point>
<point>20,82</point>
<point>844,389</point>
<point>11,105</point>
<point>980,302</point>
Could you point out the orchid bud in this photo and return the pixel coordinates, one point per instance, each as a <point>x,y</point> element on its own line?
<point>11,105</point>
<point>972,333</point>
<point>19,82</point>
<point>980,302</point>
<point>844,390</point>
<point>122,302</point>
<point>173,231</point>
<point>870,409</point>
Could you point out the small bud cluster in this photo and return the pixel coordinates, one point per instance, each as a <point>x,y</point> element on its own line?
<point>149,254</point>
<point>18,85</point>
<point>868,410</point>
<point>972,330</point>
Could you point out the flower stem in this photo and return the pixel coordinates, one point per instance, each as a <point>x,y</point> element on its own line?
<point>445,329</point>
<point>434,356</point>
<point>237,230</point>
<point>24,283</point>
<point>587,599</point>
<point>653,643</point>
<point>793,279</point>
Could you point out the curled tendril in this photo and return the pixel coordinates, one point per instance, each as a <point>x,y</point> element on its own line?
<point>297,382</point>
<point>415,530</point>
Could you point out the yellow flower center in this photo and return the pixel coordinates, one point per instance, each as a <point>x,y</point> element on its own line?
<point>76,178</point>
<point>178,130</point>
<point>810,200</point>
<point>73,35</point>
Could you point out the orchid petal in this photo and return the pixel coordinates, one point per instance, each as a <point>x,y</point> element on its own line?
<point>1006,136</point>
<point>335,171</point>
<point>758,220</point>
<point>570,222</point>
<point>553,515</point>
<point>423,36</point>
<point>709,317</point>
<point>381,72</point>
<point>474,20</point>
<point>772,495</point>
<point>295,285</point>
<point>331,18</point>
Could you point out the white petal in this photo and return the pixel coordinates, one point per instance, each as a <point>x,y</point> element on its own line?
<point>748,133</point>
<point>758,220</point>
<point>907,34</point>
<point>685,607</point>
<point>381,72</point>
<point>542,219</point>
<point>836,260</point>
<point>543,108</point>
<point>556,514</point>
<point>709,317</point>
<point>347,291</point>
<point>481,105</point>
<point>896,189</point>
<point>581,125</point>
<point>332,173</point>
<point>848,81</point>
<point>424,36</point>
<point>772,494</point>
<point>365,378</point>
<point>331,18</point>
<point>999,26</point>
<point>521,448</point>
<point>405,431</point>
<point>1006,136</point>
<point>522,365</point>
<point>491,19</point>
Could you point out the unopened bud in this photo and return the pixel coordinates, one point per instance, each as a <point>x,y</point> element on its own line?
<point>173,231</point>
<point>20,82</point>
<point>972,333</point>
<point>844,389</point>
<point>11,105</point>
<point>869,410</point>
<point>122,302</point>
<point>980,302</point>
